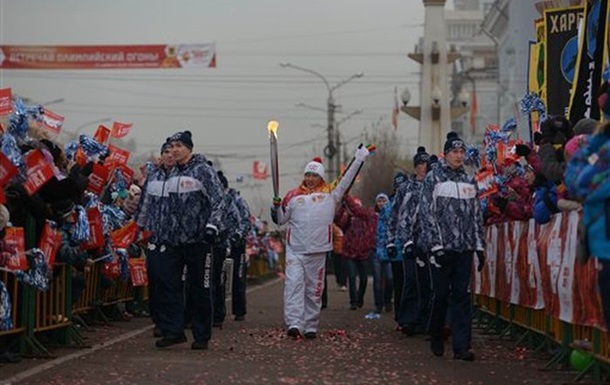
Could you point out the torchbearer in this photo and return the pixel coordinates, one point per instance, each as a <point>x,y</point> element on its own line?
<point>308,213</point>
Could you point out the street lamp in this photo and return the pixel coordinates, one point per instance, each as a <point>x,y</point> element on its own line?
<point>331,149</point>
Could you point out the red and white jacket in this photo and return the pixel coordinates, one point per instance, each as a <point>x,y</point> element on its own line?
<point>308,214</point>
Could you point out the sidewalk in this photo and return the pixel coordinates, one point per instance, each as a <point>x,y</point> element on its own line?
<point>349,350</point>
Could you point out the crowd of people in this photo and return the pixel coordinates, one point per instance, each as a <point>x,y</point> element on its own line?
<point>420,241</point>
<point>179,215</point>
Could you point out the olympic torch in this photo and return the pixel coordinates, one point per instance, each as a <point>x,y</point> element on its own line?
<point>275,170</point>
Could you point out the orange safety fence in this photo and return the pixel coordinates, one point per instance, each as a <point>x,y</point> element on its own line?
<point>51,307</point>
<point>532,279</point>
<point>88,298</point>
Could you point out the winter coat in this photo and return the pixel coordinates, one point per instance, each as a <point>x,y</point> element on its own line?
<point>244,225</point>
<point>309,214</point>
<point>552,167</point>
<point>545,202</point>
<point>359,225</point>
<point>403,226</point>
<point>588,178</point>
<point>520,200</point>
<point>191,199</point>
<point>383,235</point>
<point>153,210</point>
<point>450,210</point>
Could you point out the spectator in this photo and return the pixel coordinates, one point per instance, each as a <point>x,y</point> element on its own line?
<point>555,133</point>
<point>383,279</point>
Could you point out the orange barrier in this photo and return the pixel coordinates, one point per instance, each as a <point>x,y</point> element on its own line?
<point>51,307</point>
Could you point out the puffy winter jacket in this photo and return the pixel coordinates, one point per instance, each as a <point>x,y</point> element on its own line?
<point>153,211</point>
<point>190,199</point>
<point>403,227</point>
<point>309,214</point>
<point>588,177</point>
<point>359,225</point>
<point>450,210</point>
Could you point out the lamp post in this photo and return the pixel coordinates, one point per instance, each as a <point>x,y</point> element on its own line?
<point>331,148</point>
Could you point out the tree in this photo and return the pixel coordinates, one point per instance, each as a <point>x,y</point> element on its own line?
<point>377,175</point>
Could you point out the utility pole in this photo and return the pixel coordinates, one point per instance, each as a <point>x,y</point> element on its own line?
<point>331,149</point>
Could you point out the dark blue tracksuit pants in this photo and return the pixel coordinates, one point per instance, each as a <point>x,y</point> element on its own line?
<point>153,271</point>
<point>218,288</point>
<point>450,285</point>
<point>417,292</point>
<point>171,302</point>
<point>238,289</point>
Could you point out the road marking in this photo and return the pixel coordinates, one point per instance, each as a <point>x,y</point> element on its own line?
<point>58,361</point>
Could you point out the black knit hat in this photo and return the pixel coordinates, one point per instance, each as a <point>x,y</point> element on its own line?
<point>399,179</point>
<point>421,157</point>
<point>61,208</point>
<point>184,137</point>
<point>223,179</point>
<point>165,146</point>
<point>453,142</point>
<point>433,159</point>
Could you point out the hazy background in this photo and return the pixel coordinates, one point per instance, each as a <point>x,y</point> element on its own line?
<point>227,108</point>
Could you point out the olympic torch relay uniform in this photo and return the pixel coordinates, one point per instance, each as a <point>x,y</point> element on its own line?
<point>308,215</point>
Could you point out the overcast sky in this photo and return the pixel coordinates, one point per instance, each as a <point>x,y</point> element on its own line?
<point>227,108</point>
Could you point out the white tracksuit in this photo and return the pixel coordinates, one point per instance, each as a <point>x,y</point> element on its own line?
<point>309,219</point>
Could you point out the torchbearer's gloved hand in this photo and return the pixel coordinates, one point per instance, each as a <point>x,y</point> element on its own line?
<point>391,250</point>
<point>211,233</point>
<point>408,252</point>
<point>481,260</point>
<point>437,259</point>
<point>361,153</point>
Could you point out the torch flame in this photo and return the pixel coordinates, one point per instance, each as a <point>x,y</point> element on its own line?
<point>272,127</point>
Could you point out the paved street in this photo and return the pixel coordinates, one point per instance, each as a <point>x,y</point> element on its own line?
<point>349,350</point>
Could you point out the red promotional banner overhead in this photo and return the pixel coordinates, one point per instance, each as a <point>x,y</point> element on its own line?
<point>108,56</point>
<point>259,170</point>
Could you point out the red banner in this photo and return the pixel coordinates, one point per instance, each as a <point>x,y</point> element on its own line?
<point>102,134</point>
<point>98,179</point>
<point>535,266</point>
<point>123,237</point>
<point>137,271</point>
<point>50,240</point>
<point>128,173</point>
<point>38,171</point>
<point>120,130</point>
<point>51,121</point>
<point>259,170</point>
<point>7,169</point>
<point>15,240</point>
<point>6,103</point>
<point>96,238</point>
<point>108,56</point>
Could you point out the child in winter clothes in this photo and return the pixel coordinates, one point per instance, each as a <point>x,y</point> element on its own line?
<point>383,280</point>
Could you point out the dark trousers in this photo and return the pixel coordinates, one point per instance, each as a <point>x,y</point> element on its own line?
<point>450,285</point>
<point>153,271</point>
<point>383,284</point>
<point>171,303</point>
<point>417,293</point>
<point>238,288</point>
<point>340,269</point>
<point>398,278</point>
<point>357,268</point>
<point>218,288</point>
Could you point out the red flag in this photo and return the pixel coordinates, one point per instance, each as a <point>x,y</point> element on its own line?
<point>102,134</point>
<point>98,179</point>
<point>126,235</point>
<point>117,156</point>
<point>50,240</point>
<point>137,271</point>
<point>474,110</point>
<point>96,238</point>
<point>38,171</point>
<point>7,169</point>
<point>51,121</point>
<point>15,240</point>
<point>120,130</point>
<point>259,170</point>
<point>6,104</point>
<point>395,110</point>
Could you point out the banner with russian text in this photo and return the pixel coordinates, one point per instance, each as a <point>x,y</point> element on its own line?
<point>51,121</point>
<point>592,57</point>
<point>108,56</point>
<point>6,101</point>
<point>561,31</point>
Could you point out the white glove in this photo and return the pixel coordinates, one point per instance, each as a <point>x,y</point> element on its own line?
<point>361,153</point>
